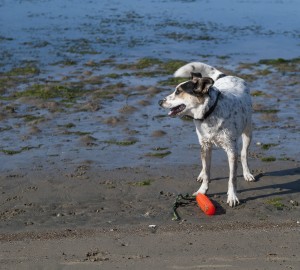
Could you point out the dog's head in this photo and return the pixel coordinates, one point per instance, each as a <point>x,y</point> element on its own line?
<point>188,96</point>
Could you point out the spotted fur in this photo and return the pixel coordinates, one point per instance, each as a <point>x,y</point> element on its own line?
<point>230,119</point>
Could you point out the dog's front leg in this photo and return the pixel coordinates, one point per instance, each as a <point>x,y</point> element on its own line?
<point>232,154</point>
<point>204,175</point>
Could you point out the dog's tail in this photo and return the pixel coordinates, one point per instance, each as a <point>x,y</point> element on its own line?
<point>198,67</point>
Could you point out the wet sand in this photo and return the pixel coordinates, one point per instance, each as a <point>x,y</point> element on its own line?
<point>89,218</point>
<point>263,248</point>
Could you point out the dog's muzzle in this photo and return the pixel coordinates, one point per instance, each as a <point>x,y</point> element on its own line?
<point>160,102</point>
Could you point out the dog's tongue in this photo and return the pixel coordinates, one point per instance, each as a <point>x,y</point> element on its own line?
<point>172,112</point>
<point>176,110</point>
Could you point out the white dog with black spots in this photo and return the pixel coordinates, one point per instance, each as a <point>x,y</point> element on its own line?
<point>221,108</point>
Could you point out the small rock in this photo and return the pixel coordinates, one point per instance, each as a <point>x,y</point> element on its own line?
<point>153,228</point>
<point>158,133</point>
<point>90,107</point>
<point>153,90</point>
<point>112,120</point>
<point>28,223</point>
<point>127,109</point>
<point>294,203</point>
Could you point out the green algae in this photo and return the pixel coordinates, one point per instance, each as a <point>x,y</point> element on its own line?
<point>282,65</point>
<point>159,154</point>
<point>267,111</point>
<point>268,159</point>
<point>267,146</point>
<point>121,143</point>
<point>76,133</point>
<point>51,91</point>
<point>24,71</point>
<point>141,183</point>
<point>257,93</point>
<point>14,152</point>
<point>68,125</point>
<point>171,81</point>
<point>33,118</point>
<point>171,66</point>
<point>140,64</point>
<point>276,202</point>
<point>184,37</point>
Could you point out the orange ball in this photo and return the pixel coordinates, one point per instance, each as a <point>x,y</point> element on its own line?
<point>205,204</point>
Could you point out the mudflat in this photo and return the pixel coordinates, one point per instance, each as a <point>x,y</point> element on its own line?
<point>91,166</point>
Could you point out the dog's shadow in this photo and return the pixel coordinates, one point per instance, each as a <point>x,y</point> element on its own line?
<point>280,188</point>
<point>219,208</point>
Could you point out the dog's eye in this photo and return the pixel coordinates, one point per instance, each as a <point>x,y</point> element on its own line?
<point>177,92</point>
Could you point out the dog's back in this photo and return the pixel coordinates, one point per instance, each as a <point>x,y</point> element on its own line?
<point>234,85</point>
<point>237,94</point>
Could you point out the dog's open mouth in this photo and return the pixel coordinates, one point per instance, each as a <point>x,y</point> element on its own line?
<point>176,110</point>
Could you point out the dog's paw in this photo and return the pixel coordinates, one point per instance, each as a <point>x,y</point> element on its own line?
<point>203,189</point>
<point>199,179</point>
<point>249,177</point>
<point>202,177</point>
<point>232,199</point>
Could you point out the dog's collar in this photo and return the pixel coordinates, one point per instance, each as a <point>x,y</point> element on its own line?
<point>221,76</point>
<point>211,109</point>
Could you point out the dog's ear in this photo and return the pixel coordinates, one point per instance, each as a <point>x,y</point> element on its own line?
<point>202,85</point>
<point>195,75</point>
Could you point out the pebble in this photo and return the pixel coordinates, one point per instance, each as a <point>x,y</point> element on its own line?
<point>153,228</point>
<point>294,203</point>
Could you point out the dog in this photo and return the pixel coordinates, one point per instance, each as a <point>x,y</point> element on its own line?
<point>222,111</point>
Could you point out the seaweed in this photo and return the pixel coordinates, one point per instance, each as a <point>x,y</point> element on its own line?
<point>257,93</point>
<point>276,202</point>
<point>281,64</point>
<point>171,66</point>
<point>24,71</point>
<point>14,152</point>
<point>141,183</point>
<point>51,91</point>
<point>172,81</point>
<point>268,159</point>
<point>267,146</point>
<point>266,111</point>
<point>121,143</point>
<point>142,63</point>
<point>159,154</point>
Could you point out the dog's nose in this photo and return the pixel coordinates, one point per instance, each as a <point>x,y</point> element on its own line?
<point>160,103</point>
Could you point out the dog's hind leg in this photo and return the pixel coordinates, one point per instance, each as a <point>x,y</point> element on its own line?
<point>232,154</point>
<point>246,138</point>
<point>204,175</point>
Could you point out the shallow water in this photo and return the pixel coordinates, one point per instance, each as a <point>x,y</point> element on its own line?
<point>48,33</point>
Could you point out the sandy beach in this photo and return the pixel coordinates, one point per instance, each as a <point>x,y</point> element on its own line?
<point>102,219</point>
